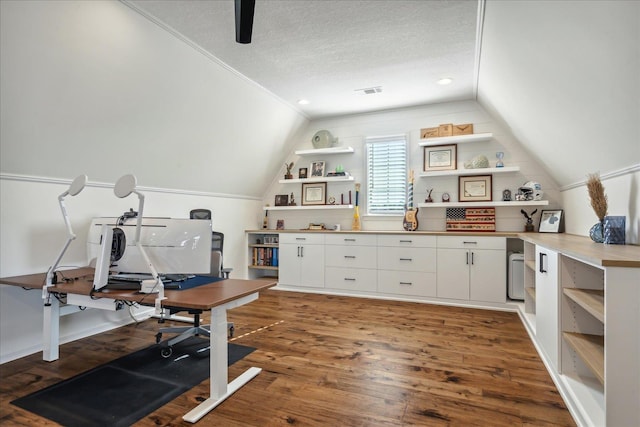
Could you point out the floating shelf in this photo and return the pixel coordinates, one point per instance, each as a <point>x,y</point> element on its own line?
<point>320,151</point>
<point>481,204</point>
<point>458,139</point>
<point>480,171</point>
<point>293,208</point>
<point>317,179</point>
<point>591,300</point>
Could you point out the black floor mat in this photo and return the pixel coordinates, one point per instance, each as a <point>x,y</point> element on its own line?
<point>122,391</point>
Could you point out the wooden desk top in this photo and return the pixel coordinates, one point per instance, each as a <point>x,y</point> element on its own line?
<point>203,297</point>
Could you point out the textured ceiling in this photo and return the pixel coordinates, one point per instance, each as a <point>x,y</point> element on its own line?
<point>324,50</point>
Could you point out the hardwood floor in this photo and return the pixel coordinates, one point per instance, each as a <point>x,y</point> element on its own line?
<point>339,361</point>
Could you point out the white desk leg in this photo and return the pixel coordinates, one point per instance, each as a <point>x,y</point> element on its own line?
<point>218,368</point>
<point>51,329</point>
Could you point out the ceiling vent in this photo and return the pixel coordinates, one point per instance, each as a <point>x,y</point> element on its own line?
<point>370,90</point>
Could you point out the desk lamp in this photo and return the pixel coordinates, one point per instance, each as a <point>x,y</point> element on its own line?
<point>77,185</point>
<point>123,188</point>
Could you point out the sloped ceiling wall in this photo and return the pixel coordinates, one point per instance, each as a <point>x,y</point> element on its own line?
<point>564,76</point>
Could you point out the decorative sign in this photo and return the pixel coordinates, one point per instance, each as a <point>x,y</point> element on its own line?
<point>471,219</point>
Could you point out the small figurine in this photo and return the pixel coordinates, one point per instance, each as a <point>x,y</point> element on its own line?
<point>292,200</point>
<point>506,196</point>
<point>529,225</point>
<point>499,156</point>
<point>288,175</point>
<point>429,199</point>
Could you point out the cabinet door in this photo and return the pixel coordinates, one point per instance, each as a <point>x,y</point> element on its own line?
<point>453,274</point>
<point>289,264</point>
<point>547,309</point>
<point>487,276</point>
<point>311,266</point>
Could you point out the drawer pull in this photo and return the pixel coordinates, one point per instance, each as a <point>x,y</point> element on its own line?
<point>350,279</point>
<point>406,283</point>
<point>350,256</point>
<point>406,241</point>
<point>301,238</point>
<point>406,259</point>
<point>349,240</point>
<point>470,243</point>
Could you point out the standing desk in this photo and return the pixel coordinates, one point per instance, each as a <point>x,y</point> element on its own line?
<point>217,297</point>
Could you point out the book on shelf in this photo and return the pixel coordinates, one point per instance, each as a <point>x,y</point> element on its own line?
<point>267,257</point>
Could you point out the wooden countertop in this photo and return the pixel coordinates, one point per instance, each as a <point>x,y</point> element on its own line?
<point>412,233</point>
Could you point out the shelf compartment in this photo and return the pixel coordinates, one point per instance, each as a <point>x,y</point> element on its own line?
<point>263,245</point>
<point>317,179</point>
<point>590,348</point>
<point>590,299</point>
<point>263,267</point>
<point>531,264</point>
<point>531,291</point>
<point>458,139</point>
<point>480,171</point>
<point>320,151</point>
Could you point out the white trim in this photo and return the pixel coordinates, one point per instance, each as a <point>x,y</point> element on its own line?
<point>479,30</point>
<point>208,55</point>
<point>624,171</point>
<point>50,180</point>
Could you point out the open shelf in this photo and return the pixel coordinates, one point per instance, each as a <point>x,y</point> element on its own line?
<point>458,139</point>
<point>531,264</point>
<point>317,179</point>
<point>479,171</point>
<point>320,151</point>
<point>312,207</point>
<point>590,299</point>
<point>481,204</point>
<point>590,348</point>
<point>531,291</point>
<point>263,267</point>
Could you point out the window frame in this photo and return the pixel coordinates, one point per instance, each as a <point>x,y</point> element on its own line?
<point>397,208</point>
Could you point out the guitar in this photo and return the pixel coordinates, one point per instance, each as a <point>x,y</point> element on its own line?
<point>410,221</point>
<point>355,225</point>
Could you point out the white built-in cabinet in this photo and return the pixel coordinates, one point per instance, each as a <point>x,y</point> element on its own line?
<point>350,262</point>
<point>547,303</point>
<point>471,268</point>
<point>407,265</point>
<point>301,260</point>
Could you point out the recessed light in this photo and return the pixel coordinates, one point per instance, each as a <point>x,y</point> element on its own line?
<point>445,81</point>
<point>303,101</point>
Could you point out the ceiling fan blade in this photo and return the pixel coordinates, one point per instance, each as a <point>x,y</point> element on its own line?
<point>244,20</point>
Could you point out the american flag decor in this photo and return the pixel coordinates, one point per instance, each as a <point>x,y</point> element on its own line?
<point>471,219</point>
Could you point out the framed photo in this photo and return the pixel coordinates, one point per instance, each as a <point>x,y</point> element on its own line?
<point>302,173</point>
<point>317,168</point>
<point>440,157</point>
<point>551,221</point>
<point>282,200</point>
<point>314,193</point>
<point>280,225</point>
<point>475,188</point>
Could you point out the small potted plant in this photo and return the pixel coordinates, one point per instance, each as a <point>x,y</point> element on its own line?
<point>288,175</point>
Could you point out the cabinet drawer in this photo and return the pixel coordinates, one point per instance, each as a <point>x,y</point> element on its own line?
<point>472,242</point>
<point>407,283</point>
<point>302,238</point>
<point>353,279</point>
<point>350,239</point>
<point>407,259</point>
<point>350,256</point>
<point>406,241</point>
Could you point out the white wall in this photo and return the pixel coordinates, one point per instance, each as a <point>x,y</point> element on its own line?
<point>352,130</point>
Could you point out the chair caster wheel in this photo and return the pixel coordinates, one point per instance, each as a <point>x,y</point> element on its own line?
<point>166,352</point>
<point>158,337</point>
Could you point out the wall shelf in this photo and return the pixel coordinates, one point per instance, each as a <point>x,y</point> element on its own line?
<point>481,204</point>
<point>480,171</point>
<point>321,151</point>
<point>317,179</point>
<point>313,207</point>
<point>458,139</point>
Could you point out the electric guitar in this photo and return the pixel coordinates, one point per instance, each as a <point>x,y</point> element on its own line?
<point>355,225</point>
<point>410,221</point>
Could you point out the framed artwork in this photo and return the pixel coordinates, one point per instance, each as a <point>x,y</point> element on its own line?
<point>302,173</point>
<point>317,168</point>
<point>474,188</point>
<point>282,200</point>
<point>550,221</point>
<point>440,157</point>
<point>314,193</point>
<point>280,224</point>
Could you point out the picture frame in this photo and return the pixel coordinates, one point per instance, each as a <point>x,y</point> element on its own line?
<point>317,168</point>
<point>280,224</point>
<point>303,173</point>
<point>551,221</point>
<point>440,157</point>
<point>475,188</point>
<point>314,193</point>
<point>282,200</point>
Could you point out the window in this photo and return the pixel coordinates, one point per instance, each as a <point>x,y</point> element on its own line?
<point>386,175</point>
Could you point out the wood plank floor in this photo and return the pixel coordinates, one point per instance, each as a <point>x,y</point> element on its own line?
<point>339,361</point>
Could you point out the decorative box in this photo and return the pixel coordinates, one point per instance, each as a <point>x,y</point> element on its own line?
<point>465,129</point>
<point>429,133</point>
<point>445,129</point>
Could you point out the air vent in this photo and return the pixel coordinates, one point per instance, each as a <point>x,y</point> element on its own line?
<point>369,90</point>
